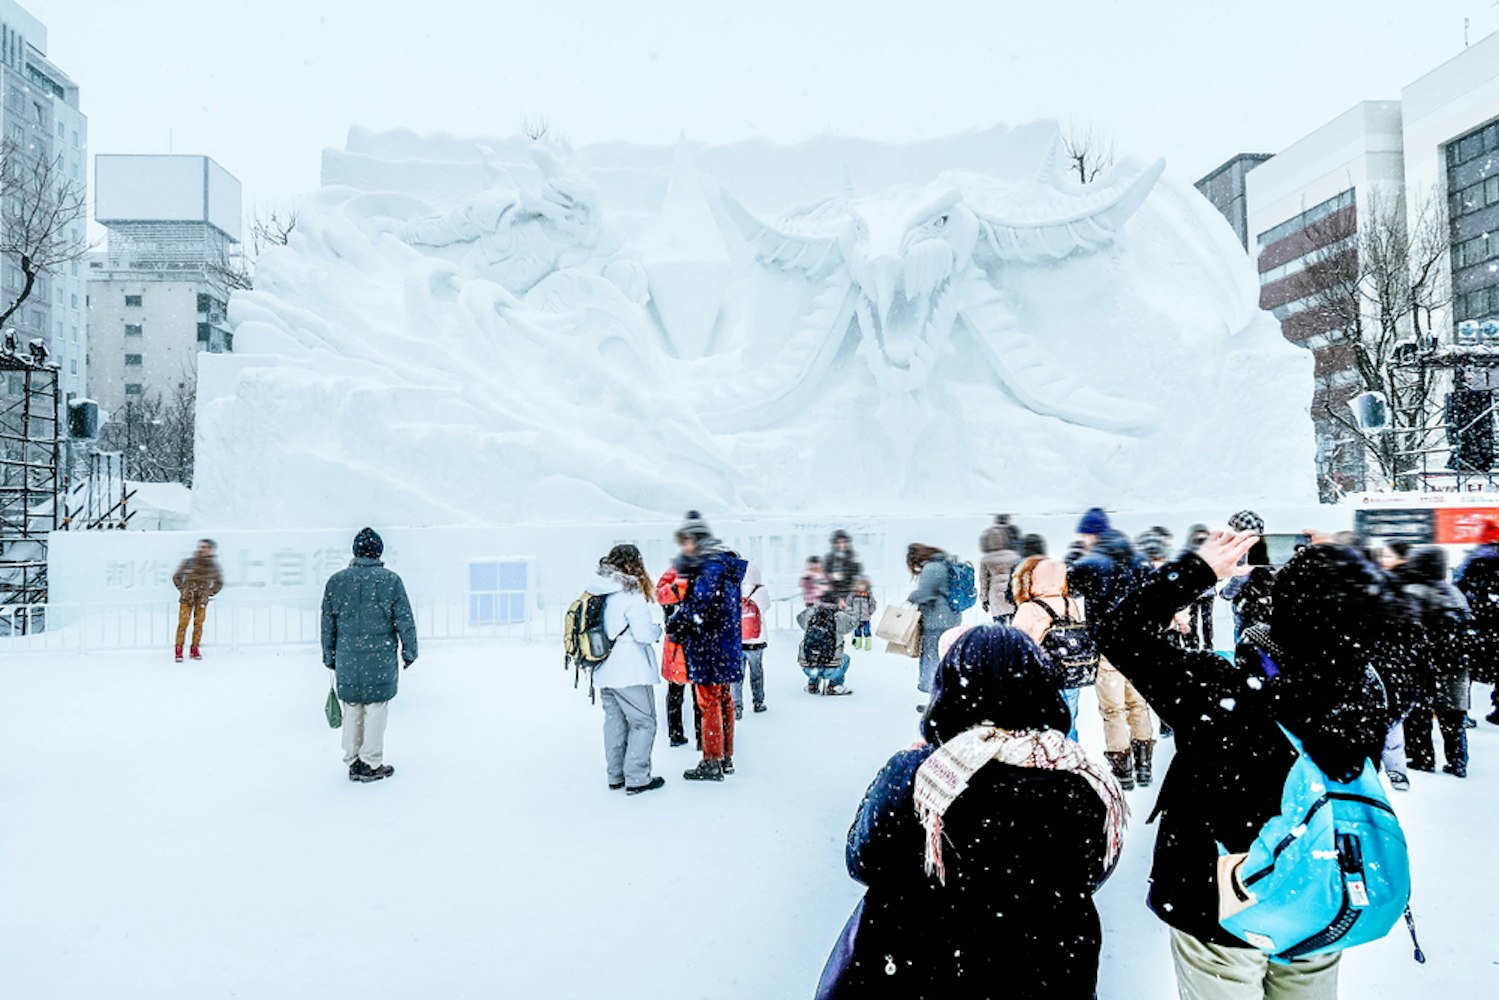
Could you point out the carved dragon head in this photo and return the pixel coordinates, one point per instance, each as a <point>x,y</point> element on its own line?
<point>905,247</point>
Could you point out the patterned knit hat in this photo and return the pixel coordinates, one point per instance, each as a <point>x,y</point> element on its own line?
<point>368,544</point>
<point>1153,544</point>
<point>1247,520</point>
<point>693,526</point>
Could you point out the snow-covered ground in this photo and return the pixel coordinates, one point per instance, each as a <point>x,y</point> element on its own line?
<point>188,832</point>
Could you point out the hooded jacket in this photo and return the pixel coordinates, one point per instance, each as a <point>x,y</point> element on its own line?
<point>1025,850</point>
<point>628,619</point>
<point>708,621</point>
<point>995,568</point>
<point>1105,575</point>
<point>1232,759</point>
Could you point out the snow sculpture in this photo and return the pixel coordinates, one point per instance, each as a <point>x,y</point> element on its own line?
<point>468,332</point>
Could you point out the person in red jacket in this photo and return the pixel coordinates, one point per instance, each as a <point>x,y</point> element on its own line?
<point>670,590</point>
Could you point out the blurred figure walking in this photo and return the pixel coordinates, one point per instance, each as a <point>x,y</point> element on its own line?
<point>198,580</point>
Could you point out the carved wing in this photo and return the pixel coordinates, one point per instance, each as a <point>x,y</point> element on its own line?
<point>1052,216</point>
<point>805,239</point>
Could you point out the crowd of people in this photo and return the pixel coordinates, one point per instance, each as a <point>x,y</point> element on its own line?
<point>982,847</point>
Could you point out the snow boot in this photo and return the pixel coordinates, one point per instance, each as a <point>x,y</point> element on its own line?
<point>706,770</point>
<point>1398,781</point>
<point>760,707</point>
<point>195,654</point>
<point>679,741</point>
<point>814,687</point>
<point>1421,764</point>
<point>649,786</point>
<point>615,786</point>
<point>738,714</point>
<point>1144,757</point>
<point>179,654</point>
<point>1456,770</point>
<point>1120,764</point>
<point>728,765</point>
<point>834,690</point>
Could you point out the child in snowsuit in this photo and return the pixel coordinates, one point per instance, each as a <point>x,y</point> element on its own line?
<point>863,605</point>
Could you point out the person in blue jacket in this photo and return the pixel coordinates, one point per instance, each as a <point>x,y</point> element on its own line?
<point>985,889</point>
<point>707,624</point>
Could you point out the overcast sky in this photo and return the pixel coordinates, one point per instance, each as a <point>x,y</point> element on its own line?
<point>264,85</point>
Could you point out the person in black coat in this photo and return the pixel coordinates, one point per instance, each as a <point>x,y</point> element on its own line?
<point>1442,682</point>
<point>1312,669</point>
<point>1024,849</point>
<point>842,565</point>
<point>1478,579</point>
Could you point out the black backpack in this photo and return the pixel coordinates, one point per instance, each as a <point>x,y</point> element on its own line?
<point>820,644</point>
<point>1070,646</point>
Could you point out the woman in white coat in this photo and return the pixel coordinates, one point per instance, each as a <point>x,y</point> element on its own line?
<point>627,679</point>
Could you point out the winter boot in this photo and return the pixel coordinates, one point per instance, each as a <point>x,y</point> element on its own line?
<point>376,773</point>
<point>728,765</point>
<point>706,770</point>
<point>649,786</point>
<point>1144,755</point>
<point>814,687</point>
<point>195,654</point>
<point>1120,764</point>
<point>834,690</point>
<point>1398,781</point>
<point>1456,770</point>
<point>358,770</point>
<point>179,654</point>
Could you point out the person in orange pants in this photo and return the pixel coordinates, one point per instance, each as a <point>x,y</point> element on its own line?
<point>198,580</point>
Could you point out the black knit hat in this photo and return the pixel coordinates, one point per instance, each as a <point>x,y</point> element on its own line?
<point>368,544</point>
<point>1247,520</point>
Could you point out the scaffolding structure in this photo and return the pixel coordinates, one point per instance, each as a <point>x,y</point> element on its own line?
<point>31,435</point>
<point>1450,448</point>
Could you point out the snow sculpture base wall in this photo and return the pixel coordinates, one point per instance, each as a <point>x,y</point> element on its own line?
<point>477,332</point>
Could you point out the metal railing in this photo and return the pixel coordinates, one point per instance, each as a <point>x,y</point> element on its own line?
<point>236,625</point>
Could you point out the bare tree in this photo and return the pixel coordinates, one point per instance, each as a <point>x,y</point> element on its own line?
<point>1370,283</point>
<point>536,127</point>
<point>270,228</point>
<point>155,436</point>
<point>41,218</point>
<point>1089,150</point>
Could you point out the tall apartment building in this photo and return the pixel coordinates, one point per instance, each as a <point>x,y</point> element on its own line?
<point>1225,187</point>
<point>40,116</point>
<point>159,295</point>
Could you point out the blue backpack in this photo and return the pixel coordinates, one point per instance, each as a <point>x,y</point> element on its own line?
<point>1330,872</point>
<point>962,593</point>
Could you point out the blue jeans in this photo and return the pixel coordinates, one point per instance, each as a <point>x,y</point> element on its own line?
<point>833,675</point>
<point>1071,697</point>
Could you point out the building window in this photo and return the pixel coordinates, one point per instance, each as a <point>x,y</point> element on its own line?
<point>133,329</point>
<point>132,300</point>
<point>205,303</point>
<point>229,342</point>
<point>72,367</point>
<point>205,333</point>
<point>133,361</point>
<point>132,388</point>
<point>1295,225</point>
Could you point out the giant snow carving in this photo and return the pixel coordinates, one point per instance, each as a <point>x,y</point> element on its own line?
<point>463,332</point>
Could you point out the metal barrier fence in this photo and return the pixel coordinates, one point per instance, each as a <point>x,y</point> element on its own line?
<point>234,625</point>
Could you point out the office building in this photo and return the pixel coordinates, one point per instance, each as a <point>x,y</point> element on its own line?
<point>40,118</point>
<point>159,294</point>
<point>1225,188</point>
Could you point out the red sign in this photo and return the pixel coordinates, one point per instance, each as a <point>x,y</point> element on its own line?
<point>1467,525</point>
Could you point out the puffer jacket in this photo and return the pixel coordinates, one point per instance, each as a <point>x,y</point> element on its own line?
<point>198,579</point>
<point>1107,574</point>
<point>630,623</point>
<point>930,598</point>
<point>1441,677</point>
<point>995,569</point>
<point>707,623</point>
<point>670,590</point>
<point>368,630</point>
<point>1232,759</point>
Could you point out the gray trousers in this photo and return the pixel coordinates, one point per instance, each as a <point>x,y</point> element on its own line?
<point>1393,759</point>
<point>629,733</point>
<point>754,669</point>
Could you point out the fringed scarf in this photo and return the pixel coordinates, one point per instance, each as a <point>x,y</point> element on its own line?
<point>945,774</point>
